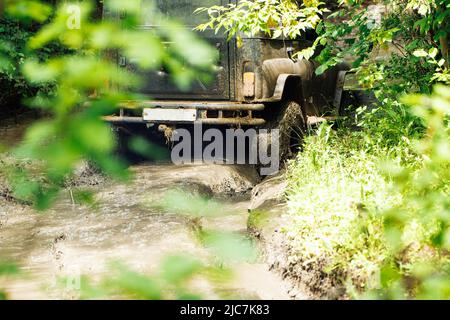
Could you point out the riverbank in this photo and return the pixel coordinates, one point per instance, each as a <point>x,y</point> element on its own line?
<point>268,222</point>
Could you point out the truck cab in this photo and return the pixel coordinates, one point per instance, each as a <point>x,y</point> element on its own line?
<point>256,84</point>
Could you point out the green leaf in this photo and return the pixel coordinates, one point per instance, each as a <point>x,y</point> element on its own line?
<point>433,52</point>
<point>229,247</point>
<point>420,53</point>
<point>8,269</point>
<point>177,269</point>
<point>321,69</point>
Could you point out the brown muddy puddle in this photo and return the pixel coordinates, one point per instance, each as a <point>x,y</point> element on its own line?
<point>12,130</point>
<point>73,239</point>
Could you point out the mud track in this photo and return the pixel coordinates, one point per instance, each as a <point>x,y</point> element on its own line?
<point>74,238</point>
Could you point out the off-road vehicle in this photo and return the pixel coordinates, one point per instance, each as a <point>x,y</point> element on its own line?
<point>257,84</point>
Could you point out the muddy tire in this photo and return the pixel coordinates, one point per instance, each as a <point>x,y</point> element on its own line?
<point>290,121</point>
<point>123,134</point>
<point>120,139</point>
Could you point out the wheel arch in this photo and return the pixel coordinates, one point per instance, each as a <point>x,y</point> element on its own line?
<point>289,87</point>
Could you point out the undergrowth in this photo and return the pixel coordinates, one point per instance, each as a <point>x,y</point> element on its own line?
<point>335,188</point>
<point>373,202</point>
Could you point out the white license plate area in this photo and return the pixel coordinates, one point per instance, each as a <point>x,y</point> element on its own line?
<point>169,115</point>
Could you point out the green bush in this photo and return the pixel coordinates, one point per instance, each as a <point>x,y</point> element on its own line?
<point>14,88</point>
<point>417,229</point>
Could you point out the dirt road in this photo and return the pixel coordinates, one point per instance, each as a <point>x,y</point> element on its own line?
<point>73,239</point>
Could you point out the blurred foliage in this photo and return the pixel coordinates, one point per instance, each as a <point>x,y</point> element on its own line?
<point>182,202</point>
<point>226,246</point>
<point>417,228</point>
<point>170,281</point>
<point>88,84</point>
<point>7,270</point>
<point>374,201</point>
<point>175,278</point>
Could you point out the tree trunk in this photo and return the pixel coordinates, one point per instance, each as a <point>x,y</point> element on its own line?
<point>443,39</point>
<point>444,49</point>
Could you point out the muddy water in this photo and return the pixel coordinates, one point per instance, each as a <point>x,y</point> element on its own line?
<point>73,239</point>
<point>12,130</point>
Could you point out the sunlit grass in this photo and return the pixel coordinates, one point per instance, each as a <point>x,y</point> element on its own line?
<point>333,194</point>
<point>373,203</point>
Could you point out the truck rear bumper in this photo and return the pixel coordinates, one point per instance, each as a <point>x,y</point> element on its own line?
<point>185,112</point>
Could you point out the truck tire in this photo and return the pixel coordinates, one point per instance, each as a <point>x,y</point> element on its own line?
<point>119,138</point>
<point>123,135</point>
<point>289,120</point>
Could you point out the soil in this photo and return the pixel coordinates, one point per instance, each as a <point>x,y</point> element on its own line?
<point>12,129</point>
